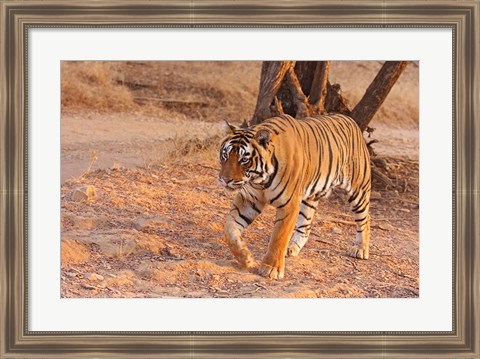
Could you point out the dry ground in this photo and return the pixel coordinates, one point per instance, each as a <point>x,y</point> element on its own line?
<point>145,135</point>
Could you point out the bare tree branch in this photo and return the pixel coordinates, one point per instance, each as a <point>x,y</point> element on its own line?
<point>277,108</point>
<point>318,91</point>
<point>377,92</point>
<point>299,98</point>
<point>271,78</point>
<point>335,102</point>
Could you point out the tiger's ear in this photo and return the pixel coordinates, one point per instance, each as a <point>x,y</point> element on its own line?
<point>229,127</point>
<point>263,137</point>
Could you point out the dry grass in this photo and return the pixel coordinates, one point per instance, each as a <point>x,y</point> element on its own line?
<point>213,90</point>
<point>207,91</point>
<point>194,149</point>
<point>94,85</point>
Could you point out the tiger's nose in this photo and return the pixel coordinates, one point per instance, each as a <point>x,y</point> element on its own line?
<point>224,180</point>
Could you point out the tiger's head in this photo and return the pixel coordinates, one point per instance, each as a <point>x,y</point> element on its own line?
<point>245,156</point>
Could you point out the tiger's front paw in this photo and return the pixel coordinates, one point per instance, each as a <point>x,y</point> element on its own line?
<point>244,257</point>
<point>293,250</point>
<point>247,261</point>
<point>358,252</point>
<point>272,272</point>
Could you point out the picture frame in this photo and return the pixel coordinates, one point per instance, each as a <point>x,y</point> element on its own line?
<point>20,16</point>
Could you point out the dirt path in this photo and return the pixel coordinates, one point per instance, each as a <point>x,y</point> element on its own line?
<point>93,141</point>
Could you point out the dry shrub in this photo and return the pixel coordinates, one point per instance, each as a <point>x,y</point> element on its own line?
<point>192,148</point>
<point>93,85</point>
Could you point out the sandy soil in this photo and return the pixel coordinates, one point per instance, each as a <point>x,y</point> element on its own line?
<point>154,227</point>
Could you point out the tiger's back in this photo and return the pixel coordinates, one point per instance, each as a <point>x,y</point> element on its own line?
<point>291,164</point>
<point>327,151</point>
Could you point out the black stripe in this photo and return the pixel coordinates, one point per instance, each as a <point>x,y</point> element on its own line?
<point>309,205</point>
<point>280,219</point>
<point>330,163</point>
<point>313,133</point>
<point>281,192</point>
<point>274,130</point>
<point>360,210</point>
<point>275,169</point>
<point>303,226</point>
<point>247,220</point>
<point>304,216</point>
<point>276,124</point>
<point>240,224</point>
<point>281,180</point>
<point>293,192</point>
<point>255,208</point>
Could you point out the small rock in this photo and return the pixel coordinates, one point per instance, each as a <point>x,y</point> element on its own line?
<point>406,210</point>
<point>336,230</point>
<point>143,223</point>
<point>116,167</point>
<point>89,222</point>
<point>375,195</point>
<point>88,286</point>
<point>380,162</point>
<point>180,181</point>
<point>386,227</point>
<point>71,274</point>
<point>93,276</point>
<point>79,196</point>
<point>84,193</point>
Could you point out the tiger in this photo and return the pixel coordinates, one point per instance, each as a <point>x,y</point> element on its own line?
<point>291,164</point>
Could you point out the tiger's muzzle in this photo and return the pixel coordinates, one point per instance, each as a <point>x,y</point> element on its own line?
<point>230,184</point>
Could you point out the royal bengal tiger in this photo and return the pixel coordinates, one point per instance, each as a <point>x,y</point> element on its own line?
<point>290,164</point>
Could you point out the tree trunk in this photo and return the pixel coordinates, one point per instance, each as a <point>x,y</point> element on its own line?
<point>271,78</point>
<point>377,92</point>
<point>299,89</point>
<point>302,89</point>
<point>318,91</point>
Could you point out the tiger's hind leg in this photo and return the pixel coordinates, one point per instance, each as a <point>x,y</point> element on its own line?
<point>243,213</point>
<point>360,202</point>
<point>303,227</point>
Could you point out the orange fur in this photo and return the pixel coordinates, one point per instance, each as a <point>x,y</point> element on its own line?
<point>290,164</point>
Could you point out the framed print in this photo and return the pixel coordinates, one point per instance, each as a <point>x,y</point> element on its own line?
<point>126,197</point>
